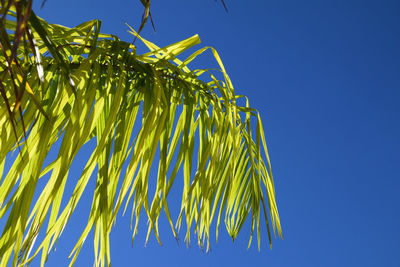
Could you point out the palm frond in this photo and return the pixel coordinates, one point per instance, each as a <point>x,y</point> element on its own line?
<point>75,85</point>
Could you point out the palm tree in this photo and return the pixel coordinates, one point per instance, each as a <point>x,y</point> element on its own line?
<point>68,86</point>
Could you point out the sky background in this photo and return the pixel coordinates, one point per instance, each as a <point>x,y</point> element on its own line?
<point>325,77</point>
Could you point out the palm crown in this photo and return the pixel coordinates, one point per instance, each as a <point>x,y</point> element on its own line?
<point>73,85</point>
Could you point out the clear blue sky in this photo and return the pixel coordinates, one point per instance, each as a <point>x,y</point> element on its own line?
<point>325,76</point>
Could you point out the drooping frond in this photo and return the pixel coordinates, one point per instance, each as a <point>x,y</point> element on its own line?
<point>75,85</point>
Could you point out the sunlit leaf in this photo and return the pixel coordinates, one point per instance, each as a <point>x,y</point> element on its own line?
<point>140,111</point>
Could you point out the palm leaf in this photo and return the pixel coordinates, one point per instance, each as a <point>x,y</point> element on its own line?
<point>141,110</point>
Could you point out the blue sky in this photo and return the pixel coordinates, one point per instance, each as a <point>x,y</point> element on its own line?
<point>325,76</point>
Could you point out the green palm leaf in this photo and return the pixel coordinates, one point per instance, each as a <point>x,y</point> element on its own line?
<point>82,85</point>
